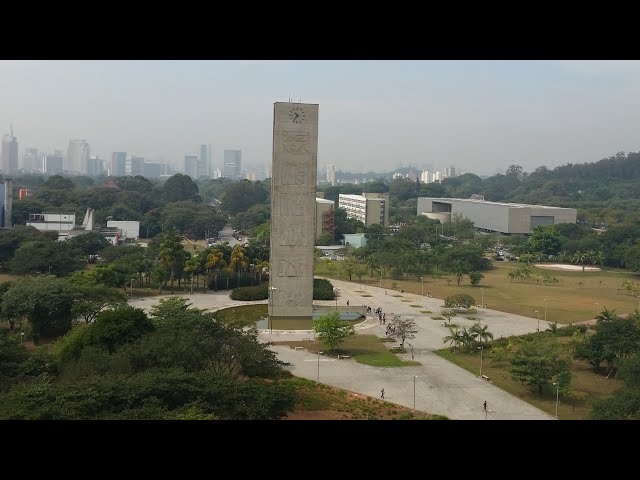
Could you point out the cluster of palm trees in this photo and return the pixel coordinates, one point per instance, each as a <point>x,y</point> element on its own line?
<point>468,339</point>
<point>590,257</point>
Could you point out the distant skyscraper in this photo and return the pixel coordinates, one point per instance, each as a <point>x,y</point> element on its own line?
<point>450,171</point>
<point>331,175</point>
<point>78,156</point>
<point>232,164</point>
<point>118,164</point>
<point>204,162</point>
<point>134,166</point>
<point>154,170</point>
<point>426,176</point>
<point>217,173</point>
<point>191,166</point>
<point>9,153</point>
<point>94,166</point>
<point>53,164</point>
<point>30,160</point>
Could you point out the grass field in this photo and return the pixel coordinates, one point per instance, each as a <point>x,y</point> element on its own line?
<point>323,402</point>
<point>595,386</point>
<point>567,302</point>
<point>365,349</point>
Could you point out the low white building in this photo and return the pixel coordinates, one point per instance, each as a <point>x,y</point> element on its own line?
<point>58,222</point>
<point>130,229</point>
<point>499,217</point>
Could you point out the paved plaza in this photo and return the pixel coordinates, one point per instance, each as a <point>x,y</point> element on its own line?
<point>440,386</point>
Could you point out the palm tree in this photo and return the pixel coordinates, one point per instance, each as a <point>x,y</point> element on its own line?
<point>192,265</point>
<point>454,338</point>
<point>606,315</point>
<point>215,260</point>
<point>581,258</point>
<point>599,258</point>
<point>481,332</point>
<point>468,338</point>
<point>239,261</point>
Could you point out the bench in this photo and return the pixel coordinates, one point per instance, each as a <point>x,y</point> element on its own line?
<point>302,348</point>
<point>343,356</point>
<point>308,339</point>
<point>484,377</point>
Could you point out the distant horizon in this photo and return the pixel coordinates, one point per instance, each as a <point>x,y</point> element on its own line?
<point>480,116</point>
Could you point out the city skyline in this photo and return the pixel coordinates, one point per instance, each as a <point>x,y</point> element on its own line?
<point>374,115</point>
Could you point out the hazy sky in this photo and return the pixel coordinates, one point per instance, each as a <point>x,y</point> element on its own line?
<point>480,116</point>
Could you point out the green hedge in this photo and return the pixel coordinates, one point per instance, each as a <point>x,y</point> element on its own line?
<point>228,282</point>
<point>261,292</point>
<point>322,290</point>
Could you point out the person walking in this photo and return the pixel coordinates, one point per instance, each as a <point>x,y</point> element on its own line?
<point>484,406</point>
<point>347,303</point>
<point>382,394</point>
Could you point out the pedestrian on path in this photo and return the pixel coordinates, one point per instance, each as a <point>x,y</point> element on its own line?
<point>347,303</point>
<point>382,394</point>
<point>484,406</point>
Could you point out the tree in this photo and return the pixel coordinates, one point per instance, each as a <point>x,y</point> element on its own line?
<point>475,278</point>
<point>581,258</point>
<point>172,255</point>
<point>57,258</point>
<point>331,331</point>
<point>180,187</point>
<point>401,329</point>
<point>116,327</point>
<point>537,361</point>
<point>448,314</point>
<point>44,301</point>
<point>90,243</point>
<point>459,301</point>
<point>91,297</point>
<point>454,338</point>
<point>545,240</point>
<point>240,196</point>
<point>481,332</point>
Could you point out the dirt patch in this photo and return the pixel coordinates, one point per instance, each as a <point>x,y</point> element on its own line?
<point>561,266</point>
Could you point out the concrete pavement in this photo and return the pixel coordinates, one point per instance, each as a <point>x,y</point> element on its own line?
<point>440,386</point>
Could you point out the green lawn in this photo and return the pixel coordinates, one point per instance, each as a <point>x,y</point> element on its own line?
<point>245,315</point>
<point>567,302</point>
<point>595,386</point>
<point>365,349</point>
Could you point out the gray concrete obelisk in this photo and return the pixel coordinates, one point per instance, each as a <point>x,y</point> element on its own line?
<point>293,198</point>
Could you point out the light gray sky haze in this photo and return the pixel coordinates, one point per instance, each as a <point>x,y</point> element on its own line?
<point>480,116</point>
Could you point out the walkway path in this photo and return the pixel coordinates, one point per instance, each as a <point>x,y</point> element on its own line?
<point>440,386</point>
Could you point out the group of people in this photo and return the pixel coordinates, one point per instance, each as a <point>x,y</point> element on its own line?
<point>377,311</point>
<point>391,328</point>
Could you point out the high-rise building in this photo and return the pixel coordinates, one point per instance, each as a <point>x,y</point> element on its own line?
<point>134,166</point>
<point>154,170</point>
<point>30,160</point>
<point>94,166</point>
<point>232,164</point>
<point>426,176</point>
<point>191,166</point>
<point>331,175</point>
<point>217,173</point>
<point>53,164</point>
<point>450,171</point>
<point>118,164</point>
<point>369,208</point>
<point>78,156</point>
<point>9,153</point>
<point>204,162</point>
<point>325,218</point>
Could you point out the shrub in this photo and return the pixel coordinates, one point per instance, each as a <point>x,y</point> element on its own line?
<point>322,290</point>
<point>261,292</point>
<point>461,300</point>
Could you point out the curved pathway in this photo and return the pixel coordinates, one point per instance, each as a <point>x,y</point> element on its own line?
<point>440,386</point>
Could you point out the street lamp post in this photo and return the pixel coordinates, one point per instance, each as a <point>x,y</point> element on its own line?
<point>414,392</point>
<point>131,288</point>
<point>271,290</point>
<point>537,315</point>
<point>545,309</point>
<point>21,337</point>
<point>482,302</point>
<point>422,281</point>
<point>557,385</point>
<point>335,294</point>
<point>318,379</point>
<point>481,348</point>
